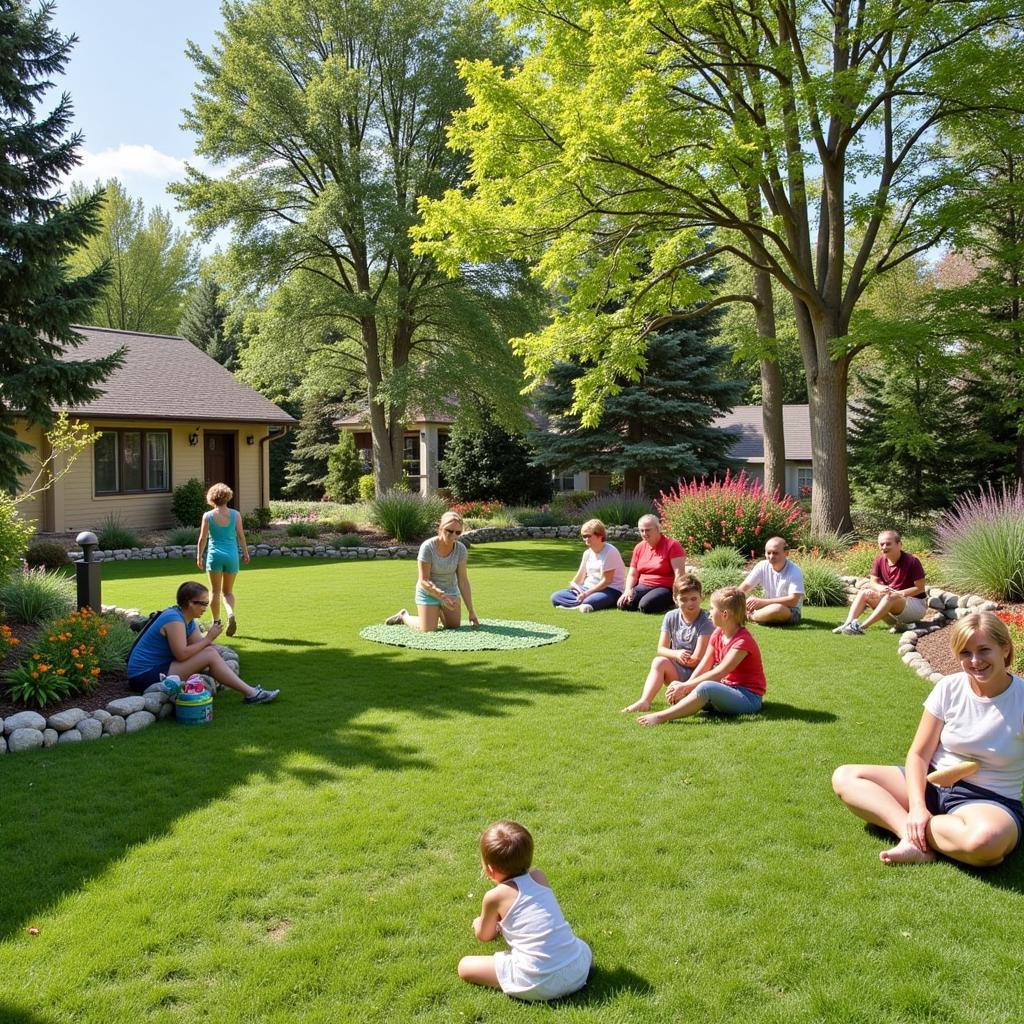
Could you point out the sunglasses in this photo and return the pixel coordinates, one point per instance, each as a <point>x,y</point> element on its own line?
<point>202,604</point>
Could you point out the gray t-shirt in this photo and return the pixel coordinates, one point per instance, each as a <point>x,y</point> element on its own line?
<point>443,567</point>
<point>683,635</point>
<point>777,584</point>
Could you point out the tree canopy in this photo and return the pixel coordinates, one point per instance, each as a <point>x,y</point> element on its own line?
<point>330,120</point>
<point>629,128</point>
<point>40,299</point>
<point>152,266</point>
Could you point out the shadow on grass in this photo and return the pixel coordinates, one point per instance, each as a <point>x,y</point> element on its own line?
<point>10,1015</point>
<point>70,812</point>
<point>606,985</point>
<point>1009,875</point>
<point>772,711</point>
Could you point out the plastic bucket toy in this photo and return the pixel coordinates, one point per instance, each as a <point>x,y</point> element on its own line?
<point>193,708</point>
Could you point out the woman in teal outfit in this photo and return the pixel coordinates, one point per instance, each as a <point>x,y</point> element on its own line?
<point>222,528</point>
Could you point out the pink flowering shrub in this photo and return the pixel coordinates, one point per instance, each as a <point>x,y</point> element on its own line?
<point>735,511</point>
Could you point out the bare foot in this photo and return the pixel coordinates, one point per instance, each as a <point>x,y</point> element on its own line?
<point>636,706</point>
<point>649,720</point>
<point>905,852</point>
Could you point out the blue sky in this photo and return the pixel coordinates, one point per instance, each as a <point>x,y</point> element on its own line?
<point>129,80</point>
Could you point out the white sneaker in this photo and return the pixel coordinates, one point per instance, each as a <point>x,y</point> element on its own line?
<point>586,608</point>
<point>841,627</point>
<point>853,629</point>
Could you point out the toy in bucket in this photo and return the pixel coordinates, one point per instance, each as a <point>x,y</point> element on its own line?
<point>193,702</point>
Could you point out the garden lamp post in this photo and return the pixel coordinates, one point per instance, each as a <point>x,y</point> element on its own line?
<point>87,573</point>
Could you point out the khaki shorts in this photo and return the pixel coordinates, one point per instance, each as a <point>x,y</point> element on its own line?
<point>913,611</point>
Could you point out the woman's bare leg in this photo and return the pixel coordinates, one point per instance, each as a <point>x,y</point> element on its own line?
<point>210,662</point>
<point>689,705</point>
<point>228,592</point>
<point>216,583</point>
<point>452,617</point>
<point>426,618</point>
<point>977,834</point>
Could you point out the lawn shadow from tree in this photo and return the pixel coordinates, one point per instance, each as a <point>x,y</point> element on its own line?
<point>105,797</point>
<point>10,1015</point>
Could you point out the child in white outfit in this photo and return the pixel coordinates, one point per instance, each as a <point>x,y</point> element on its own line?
<point>546,960</point>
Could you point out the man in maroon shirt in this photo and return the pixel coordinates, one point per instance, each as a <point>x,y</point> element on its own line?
<point>896,591</point>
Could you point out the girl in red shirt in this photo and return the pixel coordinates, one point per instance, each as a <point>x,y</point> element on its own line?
<point>730,676</point>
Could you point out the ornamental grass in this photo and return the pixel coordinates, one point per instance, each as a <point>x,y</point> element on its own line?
<point>981,538</point>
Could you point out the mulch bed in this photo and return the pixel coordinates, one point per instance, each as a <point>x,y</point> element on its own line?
<point>109,686</point>
<point>934,647</point>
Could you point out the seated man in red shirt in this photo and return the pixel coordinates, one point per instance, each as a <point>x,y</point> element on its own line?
<point>896,592</point>
<point>656,561</point>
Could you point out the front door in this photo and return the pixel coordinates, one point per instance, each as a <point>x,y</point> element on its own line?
<point>220,462</point>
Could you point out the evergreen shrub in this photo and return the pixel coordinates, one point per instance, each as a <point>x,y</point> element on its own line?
<point>981,538</point>
<point>344,469</point>
<point>188,502</point>
<point>367,488</point>
<point>348,540</point>
<point>303,528</point>
<point>735,511</point>
<point>406,516</point>
<point>47,553</point>
<point>617,509</point>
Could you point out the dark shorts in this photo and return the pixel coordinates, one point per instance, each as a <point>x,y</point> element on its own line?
<point>939,800</point>
<point>144,680</point>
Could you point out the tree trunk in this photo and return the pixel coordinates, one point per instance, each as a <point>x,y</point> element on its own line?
<point>830,495</point>
<point>771,387</point>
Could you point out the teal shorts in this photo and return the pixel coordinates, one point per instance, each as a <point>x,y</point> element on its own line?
<point>220,561</point>
<point>422,597</point>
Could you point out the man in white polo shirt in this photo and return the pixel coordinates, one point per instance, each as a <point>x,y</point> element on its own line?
<point>782,583</point>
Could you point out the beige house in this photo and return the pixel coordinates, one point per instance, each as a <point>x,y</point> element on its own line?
<point>168,414</point>
<point>426,436</point>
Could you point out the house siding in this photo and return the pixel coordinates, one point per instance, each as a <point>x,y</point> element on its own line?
<point>75,506</point>
<point>32,509</point>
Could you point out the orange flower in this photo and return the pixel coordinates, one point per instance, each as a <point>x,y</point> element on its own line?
<point>78,664</point>
<point>94,672</point>
<point>61,671</point>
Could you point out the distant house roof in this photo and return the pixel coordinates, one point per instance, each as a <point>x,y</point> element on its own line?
<point>414,419</point>
<point>746,419</point>
<point>168,378</point>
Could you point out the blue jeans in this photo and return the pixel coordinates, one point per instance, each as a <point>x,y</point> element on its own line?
<point>730,700</point>
<point>599,602</point>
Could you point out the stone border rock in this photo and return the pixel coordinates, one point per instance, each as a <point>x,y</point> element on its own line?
<point>949,607</point>
<point>28,730</point>
<point>483,535</point>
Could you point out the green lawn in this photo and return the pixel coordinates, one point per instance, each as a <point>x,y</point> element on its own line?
<point>315,859</point>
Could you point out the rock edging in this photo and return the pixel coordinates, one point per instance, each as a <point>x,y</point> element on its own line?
<point>949,606</point>
<point>482,535</point>
<point>29,730</point>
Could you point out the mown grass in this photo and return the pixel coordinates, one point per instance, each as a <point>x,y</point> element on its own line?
<point>315,859</point>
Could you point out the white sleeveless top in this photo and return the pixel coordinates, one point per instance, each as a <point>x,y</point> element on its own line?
<point>546,958</point>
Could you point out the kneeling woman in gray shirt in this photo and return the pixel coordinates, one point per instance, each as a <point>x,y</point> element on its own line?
<point>443,584</point>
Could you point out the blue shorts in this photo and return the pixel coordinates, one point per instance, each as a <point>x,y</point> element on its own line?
<point>422,597</point>
<point>218,561</point>
<point>144,680</point>
<point>940,800</point>
<point>794,616</point>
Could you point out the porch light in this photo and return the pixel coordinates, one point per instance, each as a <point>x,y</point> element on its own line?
<point>193,438</point>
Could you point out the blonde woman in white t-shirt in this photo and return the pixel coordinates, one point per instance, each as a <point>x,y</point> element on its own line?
<point>959,794</point>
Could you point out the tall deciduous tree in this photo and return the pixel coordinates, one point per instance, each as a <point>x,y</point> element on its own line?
<point>632,126</point>
<point>654,431</point>
<point>332,117</point>
<point>39,298</point>
<point>152,266</point>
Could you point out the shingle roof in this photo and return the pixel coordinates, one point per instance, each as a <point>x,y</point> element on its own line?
<point>168,378</point>
<point>746,419</point>
<point>414,418</point>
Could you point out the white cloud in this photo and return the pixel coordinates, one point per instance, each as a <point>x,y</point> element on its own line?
<point>130,162</point>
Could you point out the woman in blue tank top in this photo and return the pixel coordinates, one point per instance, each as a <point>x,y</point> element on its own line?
<point>174,645</point>
<point>222,535</point>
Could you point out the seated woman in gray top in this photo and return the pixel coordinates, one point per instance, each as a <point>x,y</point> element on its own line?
<point>443,584</point>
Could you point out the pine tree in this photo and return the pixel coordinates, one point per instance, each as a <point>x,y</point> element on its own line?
<point>204,323</point>
<point>39,301</point>
<point>657,430</point>
<point>344,468</point>
<point>484,461</point>
<point>315,439</point>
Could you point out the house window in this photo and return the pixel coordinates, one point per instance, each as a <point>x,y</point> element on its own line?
<point>564,481</point>
<point>804,481</point>
<point>132,461</point>
<point>411,455</point>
